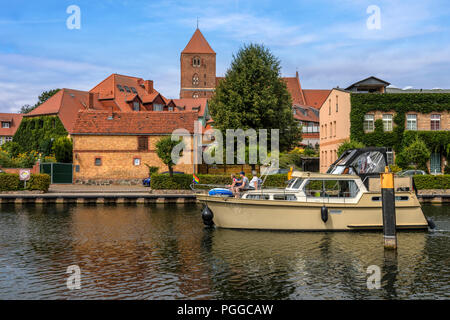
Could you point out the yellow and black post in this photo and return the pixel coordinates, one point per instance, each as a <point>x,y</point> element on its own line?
<point>388,203</point>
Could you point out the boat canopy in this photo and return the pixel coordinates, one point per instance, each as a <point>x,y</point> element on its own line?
<point>316,175</point>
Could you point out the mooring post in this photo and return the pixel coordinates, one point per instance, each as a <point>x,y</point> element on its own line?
<point>388,203</point>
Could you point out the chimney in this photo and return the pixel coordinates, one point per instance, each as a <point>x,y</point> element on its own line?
<point>91,101</point>
<point>148,85</point>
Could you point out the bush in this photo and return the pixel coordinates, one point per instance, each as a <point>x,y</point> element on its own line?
<point>165,181</point>
<point>183,181</point>
<point>12,182</point>
<point>39,182</point>
<point>151,169</point>
<point>417,154</point>
<point>423,182</point>
<point>394,168</point>
<point>63,149</point>
<point>348,145</point>
<point>9,182</point>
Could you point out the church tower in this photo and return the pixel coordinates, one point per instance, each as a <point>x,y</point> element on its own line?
<point>198,68</point>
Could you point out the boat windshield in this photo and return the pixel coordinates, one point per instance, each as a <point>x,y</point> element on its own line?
<point>295,184</point>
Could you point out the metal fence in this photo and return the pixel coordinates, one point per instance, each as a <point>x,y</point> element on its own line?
<point>58,172</point>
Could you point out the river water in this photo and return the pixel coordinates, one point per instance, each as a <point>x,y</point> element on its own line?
<point>164,252</point>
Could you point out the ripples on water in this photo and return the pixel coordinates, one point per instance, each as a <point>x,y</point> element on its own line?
<point>163,252</point>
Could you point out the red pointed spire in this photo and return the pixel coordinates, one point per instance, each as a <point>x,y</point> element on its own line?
<point>198,44</point>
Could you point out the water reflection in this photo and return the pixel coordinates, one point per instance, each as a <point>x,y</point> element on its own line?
<point>164,252</point>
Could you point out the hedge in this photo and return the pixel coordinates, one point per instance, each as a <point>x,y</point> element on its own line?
<point>11,182</point>
<point>183,181</point>
<point>423,182</point>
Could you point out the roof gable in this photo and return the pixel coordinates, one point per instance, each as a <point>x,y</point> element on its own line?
<point>198,44</point>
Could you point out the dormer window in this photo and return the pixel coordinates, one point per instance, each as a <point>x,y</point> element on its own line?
<point>133,89</point>
<point>158,107</point>
<point>136,106</point>
<point>6,124</point>
<point>127,89</point>
<point>120,88</point>
<point>196,62</point>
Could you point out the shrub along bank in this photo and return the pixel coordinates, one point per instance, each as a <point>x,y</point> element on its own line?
<point>11,182</point>
<point>183,181</point>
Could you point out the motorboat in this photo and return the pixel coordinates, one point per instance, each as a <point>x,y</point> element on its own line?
<point>347,197</point>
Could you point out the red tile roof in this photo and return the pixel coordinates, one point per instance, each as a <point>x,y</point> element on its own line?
<point>191,104</point>
<point>108,90</point>
<point>14,119</point>
<point>66,103</point>
<point>315,98</point>
<point>134,123</point>
<point>295,89</point>
<point>198,44</point>
<point>306,113</point>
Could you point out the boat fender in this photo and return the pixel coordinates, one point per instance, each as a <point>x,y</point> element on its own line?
<point>207,216</point>
<point>431,223</point>
<point>324,214</point>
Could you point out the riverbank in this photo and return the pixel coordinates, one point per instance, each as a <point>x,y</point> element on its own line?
<point>140,194</point>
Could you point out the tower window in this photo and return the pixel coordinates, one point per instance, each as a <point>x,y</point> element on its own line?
<point>195,80</point>
<point>196,62</point>
<point>195,95</point>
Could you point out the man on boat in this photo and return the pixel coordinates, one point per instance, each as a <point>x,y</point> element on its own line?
<point>244,184</point>
<point>255,182</point>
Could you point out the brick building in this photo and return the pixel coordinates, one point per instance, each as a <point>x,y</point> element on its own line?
<point>116,146</point>
<point>335,122</point>
<point>199,80</point>
<point>9,123</point>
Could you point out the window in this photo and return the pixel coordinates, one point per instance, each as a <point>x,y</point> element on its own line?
<point>98,161</point>
<point>158,107</point>
<point>195,95</point>
<point>196,62</point>
<point>335,128</point>
<point>127,89</point>
<point>337,103</point>
<point>369,123</point>
<point>136,106</point>
<point>435,122</point>
<point>120,88</point>
<point>387,122</point>
<point>331,129</point>
<point>142,143</point>
<point>170,108</point>
<point>329,107</point>
<point>195,80</point>
<point>5,124</point>
<point>331,189</point>
<point>137,161</point>
<point>133,89</point>
<point>390,155</point>
<point>411,122</point>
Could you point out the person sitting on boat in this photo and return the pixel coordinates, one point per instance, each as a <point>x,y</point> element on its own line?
<point>255,182</point>
<point>234,183</point>
<point>244,184</point>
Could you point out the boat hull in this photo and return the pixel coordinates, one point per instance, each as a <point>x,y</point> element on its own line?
<point>306,216</point>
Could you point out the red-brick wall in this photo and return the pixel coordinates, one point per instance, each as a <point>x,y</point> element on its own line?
<point>206,75</point>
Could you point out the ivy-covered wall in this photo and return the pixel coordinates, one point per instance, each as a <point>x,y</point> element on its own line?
<point>34,132</point>
<point>400,103</point>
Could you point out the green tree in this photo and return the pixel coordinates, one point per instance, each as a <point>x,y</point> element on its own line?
<point>44,96</point>
<point>164,149</point>
<point>253,95</point>
<point>62,147</point>
<point>416,154</point>
<point>349,144</point>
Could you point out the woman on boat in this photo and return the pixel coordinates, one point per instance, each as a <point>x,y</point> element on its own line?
<point>244,184</point>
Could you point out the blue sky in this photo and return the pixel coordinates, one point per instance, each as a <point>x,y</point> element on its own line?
<point>327,41</point>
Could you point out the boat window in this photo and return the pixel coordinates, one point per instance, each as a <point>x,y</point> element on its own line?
<point>331,188</point>
<point>258,196</point>
<point>295,184</point>
<point>286,197</point>
<point>371,162</point>
<point>397,198</point>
